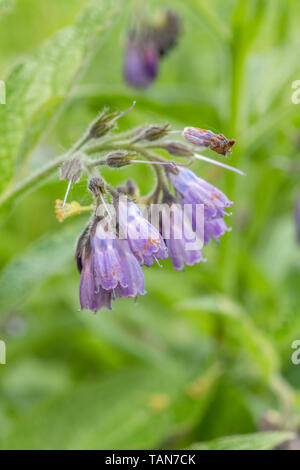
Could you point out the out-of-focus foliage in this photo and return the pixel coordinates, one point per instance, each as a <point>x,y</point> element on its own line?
<point>255,441</point>
<point>207,352</point>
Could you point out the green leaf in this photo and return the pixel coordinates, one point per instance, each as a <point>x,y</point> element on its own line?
<point>42,260</point>
<point>206,13</point>
<point>278,253</point>
<point>229,413</point>
<point>130,410</point>
<point>239,328</point>
<point>255,441</point>
<point>38,85</point>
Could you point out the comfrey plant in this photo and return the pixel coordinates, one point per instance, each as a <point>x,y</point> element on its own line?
<point>126,231</point>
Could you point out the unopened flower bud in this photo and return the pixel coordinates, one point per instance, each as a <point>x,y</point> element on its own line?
<point>96,186</point>
<point>172,168</point>
<point>122,189</point>
<point>178,149</point>
<point>154,132</point>
<point>71,170</point>
<point>131,188</point>
<point>103,124</point>
<point>119,159</point>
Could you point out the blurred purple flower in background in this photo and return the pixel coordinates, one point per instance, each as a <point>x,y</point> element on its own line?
<point>141,63</point>
<point>146,45</point>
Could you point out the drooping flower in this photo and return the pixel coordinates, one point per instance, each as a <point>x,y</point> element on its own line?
<point>108,268</point>
<point>133,272</point>
<point>214,228</point>
<point>144,239</point>
<point>92,297</point>
<point>107,264</point>
<point>183,245</point>
<point>141,62</point>
<point>195,191</point>
<point>147,45</point>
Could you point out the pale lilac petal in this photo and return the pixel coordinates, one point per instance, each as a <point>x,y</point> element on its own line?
<point>89,298</point>
<point>198,194</point>
<point>183,246</point>
<point>214,228</point>
<point>107,265</point>
<point>195,190</point>
<point>141,64</point>
<point>132,272</point>
<point>144,239</point>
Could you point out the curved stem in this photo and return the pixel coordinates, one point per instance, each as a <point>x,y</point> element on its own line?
<point>286,396</point>
<point>86,148</point>
<point>33,180</point>
<point>160,174</point>
<point>42,174</point>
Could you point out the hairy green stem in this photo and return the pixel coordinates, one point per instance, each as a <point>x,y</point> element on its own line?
<point>42,174</point>
<point>33,180</point>
<point>286,396</point>
<point>161,183</point>
<point>110,143</point>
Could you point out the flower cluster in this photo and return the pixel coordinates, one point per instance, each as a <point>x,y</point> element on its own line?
<point>110,265</point>
<point>108,268</point>
<point>177,219</point>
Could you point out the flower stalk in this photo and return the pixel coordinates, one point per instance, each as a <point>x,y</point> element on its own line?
<point>110,263</point>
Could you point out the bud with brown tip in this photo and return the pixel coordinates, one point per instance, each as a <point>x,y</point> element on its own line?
<point>119,159</point>
<point>102,124</point>
<point>152,133</point>
<point>96,186</point>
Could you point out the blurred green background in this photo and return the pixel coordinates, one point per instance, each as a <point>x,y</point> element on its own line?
<point>207,352</point>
